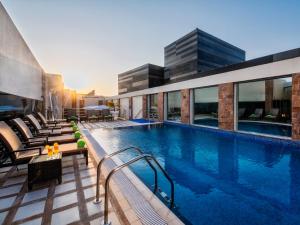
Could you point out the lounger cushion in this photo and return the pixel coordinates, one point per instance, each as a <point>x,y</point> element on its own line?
<point>67,130</point>
<point>10,137</point>
<point>34,122</point>
<point>27,154</point>
<point>23,128</point>
<point>59,139</point>
<point>49,131</point>
<point>45,122</point>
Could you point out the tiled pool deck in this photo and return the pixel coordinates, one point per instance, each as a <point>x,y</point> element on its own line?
<point>49,203</point>
<point>115,124</point>
<point>71,202</point>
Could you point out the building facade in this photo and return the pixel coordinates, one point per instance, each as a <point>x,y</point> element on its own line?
<point>198,52</point>
<point>146,76</point>
<point>258,96</point>
<point>189,57</point>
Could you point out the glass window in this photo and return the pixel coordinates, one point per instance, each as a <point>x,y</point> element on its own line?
<point>174,106</point>
<point>265,106</point>
<point>206,106</point>
<point>116,104</point>
<point>12,106</point>
<point>153,106</point>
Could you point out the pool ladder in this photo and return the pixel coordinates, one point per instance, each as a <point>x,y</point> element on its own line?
<point>148,158</point>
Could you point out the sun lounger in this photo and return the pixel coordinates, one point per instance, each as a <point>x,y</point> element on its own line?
<point>52,131</point>
<point>19,153</point>
<point>16,150</point>
<point>257,114</point>
<point>273,114</point>
<point>49,123</point>
<point>241,112</point>
<point>38,140</point>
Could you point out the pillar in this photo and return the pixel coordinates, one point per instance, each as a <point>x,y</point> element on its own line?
<point>185,106</point>
<point>269,95</point>
<point>119,107</point>
<point>226,106</point>
<point>296,106</point>
<point>145,103</point>
<point>130,108</point>
<point>160,106</point>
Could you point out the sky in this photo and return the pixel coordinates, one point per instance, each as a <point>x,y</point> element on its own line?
<point>90,42</point>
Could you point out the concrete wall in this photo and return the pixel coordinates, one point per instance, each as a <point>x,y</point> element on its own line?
<point>20,73</point>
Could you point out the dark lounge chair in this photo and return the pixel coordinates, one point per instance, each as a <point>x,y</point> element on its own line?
<point>20,153</point>
<point>107,115</point>
<point>49,123</point>
<point>273,114</point>
<point>92,115</point>
<point>46,130</point>
<point>241,112</point>
<point>257,114</point>
<point>40,139</point>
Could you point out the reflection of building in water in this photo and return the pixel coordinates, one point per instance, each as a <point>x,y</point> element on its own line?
<point>228,160</point>
<point>295,182</point>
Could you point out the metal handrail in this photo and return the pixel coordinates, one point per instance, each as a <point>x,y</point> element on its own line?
<point>145,156</point>
<point>113,154</point>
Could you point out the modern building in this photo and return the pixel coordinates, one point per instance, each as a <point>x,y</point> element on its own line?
<point>146,76</point>
<point>198,52</point>
<point>191,56</point>
<point>259,96</point>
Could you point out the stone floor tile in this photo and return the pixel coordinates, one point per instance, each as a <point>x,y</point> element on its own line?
<point>37,221</point>
<point>2,216</point>
<point>87,173</point>
<point>30,210</point>
<point>65,217</point>
<point>68,177</point>
<point>68,170</point>
<point>15,180</point>
<point>10,190</point>
<point>34,195</point>
<point>65,187</point>
<point>88,181</point>
<point>89,192</point>
<point>64,200</point>
<point>7,202</point>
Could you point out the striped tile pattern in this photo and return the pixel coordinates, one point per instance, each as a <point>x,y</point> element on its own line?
<point>114,124</point>
<point>49,203</point>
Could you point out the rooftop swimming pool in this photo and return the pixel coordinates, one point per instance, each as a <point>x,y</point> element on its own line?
<point>219,178</point>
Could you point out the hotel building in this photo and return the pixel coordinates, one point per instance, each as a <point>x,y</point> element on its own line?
<point>209,83</point>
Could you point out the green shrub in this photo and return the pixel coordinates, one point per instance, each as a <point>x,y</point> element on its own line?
<point>80,143</point>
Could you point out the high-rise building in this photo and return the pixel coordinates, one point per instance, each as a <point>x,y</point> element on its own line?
<point>198,52</point>
<point>140,78</point>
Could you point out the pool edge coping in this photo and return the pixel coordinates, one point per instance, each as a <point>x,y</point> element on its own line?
<point>116,194</point>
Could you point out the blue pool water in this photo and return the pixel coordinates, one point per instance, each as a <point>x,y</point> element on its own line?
<point>219,179</point>
<point>142,121</point>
